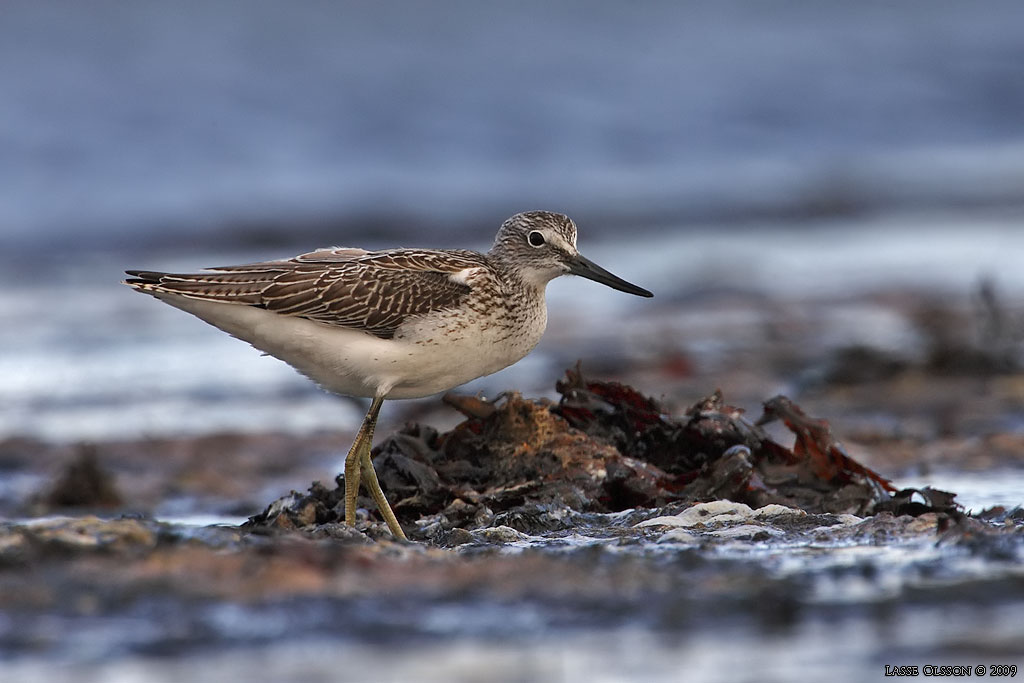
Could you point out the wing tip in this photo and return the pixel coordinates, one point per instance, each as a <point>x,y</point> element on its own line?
<point>143,280</point>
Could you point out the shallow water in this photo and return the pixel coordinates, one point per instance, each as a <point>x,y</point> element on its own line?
<point>735,654</point>
<point>977,491</point>
<point>805,602</point>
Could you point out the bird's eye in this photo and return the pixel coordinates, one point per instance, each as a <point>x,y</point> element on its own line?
<point>536,239</point>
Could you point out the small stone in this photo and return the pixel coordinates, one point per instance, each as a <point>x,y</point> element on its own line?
<point>715,512</point>
<point>500,534</point>
<point>775,510</point>
<point>679,536</point>
<point>455,537</point>
<point>753,532</point>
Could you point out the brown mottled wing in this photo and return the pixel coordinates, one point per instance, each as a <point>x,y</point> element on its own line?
<point>371,291</point>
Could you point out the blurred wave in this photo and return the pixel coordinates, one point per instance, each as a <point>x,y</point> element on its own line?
<point>149,123</point>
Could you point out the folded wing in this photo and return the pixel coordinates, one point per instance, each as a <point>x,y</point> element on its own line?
<point>371,291</point>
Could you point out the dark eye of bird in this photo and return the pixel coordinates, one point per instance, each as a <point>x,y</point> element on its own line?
<point>536,239</point>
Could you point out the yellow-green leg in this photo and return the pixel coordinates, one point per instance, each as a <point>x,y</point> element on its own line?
<point>359,467</point>
<point>353,470</point>
<point>370,476</point>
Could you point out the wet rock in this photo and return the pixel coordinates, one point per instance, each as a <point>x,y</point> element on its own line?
<point>1000,543</point>
<point>320,511</point>
<point>748,532</point>
<point>704,514</point>
<point>726,520</point>
<point>912,501</point>
<point>22,543</point>
<point>83,483</point>
<point>454,537</point>
<point>500,535</point>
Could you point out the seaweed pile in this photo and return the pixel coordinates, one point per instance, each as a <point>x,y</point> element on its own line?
<point>605,447</point>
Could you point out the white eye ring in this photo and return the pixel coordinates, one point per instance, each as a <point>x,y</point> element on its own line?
<point>535,238</point>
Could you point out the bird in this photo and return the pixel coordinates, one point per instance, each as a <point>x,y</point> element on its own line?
<point>390,324</point>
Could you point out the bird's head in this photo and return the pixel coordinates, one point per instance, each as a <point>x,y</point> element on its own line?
<point>541,245</point>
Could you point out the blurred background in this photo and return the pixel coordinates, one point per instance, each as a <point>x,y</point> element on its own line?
<point>772,171</point>
<point>826,198</point>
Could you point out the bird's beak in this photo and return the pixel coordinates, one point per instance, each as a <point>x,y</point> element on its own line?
<point>584,267</point>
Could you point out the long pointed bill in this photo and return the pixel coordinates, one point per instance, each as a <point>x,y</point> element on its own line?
<point>584,267</point>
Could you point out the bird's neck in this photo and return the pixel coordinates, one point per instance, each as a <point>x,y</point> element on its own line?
<point>531,282</point>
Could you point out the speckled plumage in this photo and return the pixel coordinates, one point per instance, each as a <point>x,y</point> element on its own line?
<point>399,323</point>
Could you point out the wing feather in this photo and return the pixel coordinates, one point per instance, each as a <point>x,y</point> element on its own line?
<point>371,291</point>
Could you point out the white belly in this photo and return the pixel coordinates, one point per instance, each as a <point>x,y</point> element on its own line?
<point>425,358</point>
